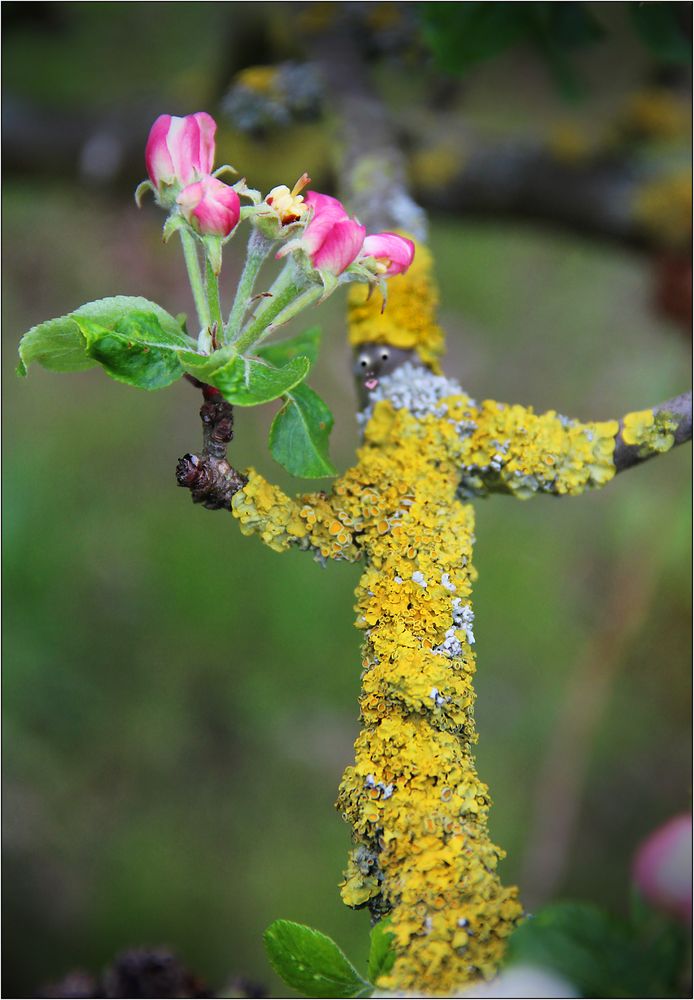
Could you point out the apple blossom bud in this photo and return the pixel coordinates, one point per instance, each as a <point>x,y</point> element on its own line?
<point>393,253</point>
<point>663,868</point>
<point>180,151</point>
<point>332,240</point>
<point>210,206</point>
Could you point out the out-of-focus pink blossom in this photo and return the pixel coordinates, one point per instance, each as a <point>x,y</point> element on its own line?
<point>180,150</point>
<point>210,206</point>
<point>663,868</point>
<point>393,253</point>
<point>332,240</point>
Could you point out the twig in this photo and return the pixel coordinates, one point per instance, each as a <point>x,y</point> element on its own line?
<point>210,478</point>
<point>680,407</point>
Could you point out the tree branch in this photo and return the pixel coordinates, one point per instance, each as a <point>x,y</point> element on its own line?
<point>209,476</point>
<point>680,409</point>
<point>372,168</point>
<point>526,180</point>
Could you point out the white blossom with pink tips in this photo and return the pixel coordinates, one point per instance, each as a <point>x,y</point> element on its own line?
<point>180,151</point>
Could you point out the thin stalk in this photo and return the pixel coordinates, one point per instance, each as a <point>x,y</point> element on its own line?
<point>190,254</point>
<point>280,300</point>
<point>258,249</point>
<point>301,302</point>
<point>213,296</point>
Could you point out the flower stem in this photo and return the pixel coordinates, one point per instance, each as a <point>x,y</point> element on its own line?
<point>281,298</point>
<point>213,296</point>
<point>190,254</point>
<point>258,249</point>
<point>301,302</point>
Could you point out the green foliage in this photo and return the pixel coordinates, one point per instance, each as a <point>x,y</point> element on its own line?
<point>659,26</point>
<point>250,382</point>
<point>137,342</point>
<point>130,352</point>
<point>462,35</point>
<point>299,435</point>
<point>381,955</point>
<point>311,963</point>
<point>60,344</point>
<point>599,954</point>
<point>305,344</point>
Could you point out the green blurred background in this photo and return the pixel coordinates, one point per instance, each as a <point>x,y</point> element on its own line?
<point>179,702</point>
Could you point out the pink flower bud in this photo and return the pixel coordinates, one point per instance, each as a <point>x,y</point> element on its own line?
<point>393,253</point>
<point>210,206</point>
<point>331,239</point>
<point>180,150</point>
<point>663,868</point>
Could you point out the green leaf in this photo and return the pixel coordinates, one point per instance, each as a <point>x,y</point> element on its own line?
<point>59,345</point>
<point>305,344</point>
<point>660,28</point>
<point>132,352</point>
<point>111,311</point>
<point>600,955</point>
<point>299,435</point>
<point>381,954</point>
<point>311,963</point>
<point>250,381</point>
<point>462,34</point>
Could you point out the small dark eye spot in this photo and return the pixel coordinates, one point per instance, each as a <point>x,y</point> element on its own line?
<point>385,356</point>
<point>363,362</point>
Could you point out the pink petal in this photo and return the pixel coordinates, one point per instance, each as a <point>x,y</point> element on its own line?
<point>207,127</point>
<point>340,247</point>
<point>157,157</point>
<point>325,202</point>
<point>398,251</point>
<point>184,146</point>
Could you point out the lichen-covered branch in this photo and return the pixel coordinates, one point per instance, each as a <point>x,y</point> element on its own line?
<point>618,198</point>
<point>418,811</point>
<point>648,433</point>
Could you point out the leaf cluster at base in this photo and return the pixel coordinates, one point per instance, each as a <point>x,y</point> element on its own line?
<point>137,342</point>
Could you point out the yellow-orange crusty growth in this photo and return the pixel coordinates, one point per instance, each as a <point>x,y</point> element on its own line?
<point>417,809</point>
<point>409,319</point>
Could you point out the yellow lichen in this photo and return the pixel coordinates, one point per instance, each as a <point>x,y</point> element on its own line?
<point>569,142</point>
<point>657,113</point>
<point>435,166</point>
<point>664,208</point>
<point>417,809</point>
<point>261,79</point>
<point>409,319</point>
<point>653,432</point>
<point>512,449</point>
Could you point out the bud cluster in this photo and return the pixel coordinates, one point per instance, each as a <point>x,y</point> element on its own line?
<point>322,245</point>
